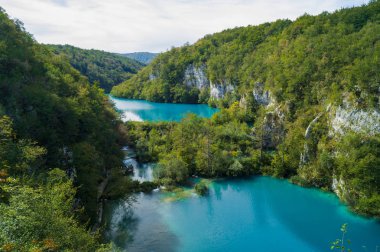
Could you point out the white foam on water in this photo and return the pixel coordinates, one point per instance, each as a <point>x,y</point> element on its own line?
<point>129,116</point>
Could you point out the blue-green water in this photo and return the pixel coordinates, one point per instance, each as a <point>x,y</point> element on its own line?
<point>255,214</point>
<point>140,110</point>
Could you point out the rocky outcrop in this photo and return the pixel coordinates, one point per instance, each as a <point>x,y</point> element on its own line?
<point>152,77</point>
<point>273,128</point>
<point>100,201</point>
<point>340,189</point>
<point>347,118</point>
<point>67,161</point>
<point>306,155</point>
<point>219,90</point>
<point>243,103</point>
<point>262,97</point>
<point>196,77</point>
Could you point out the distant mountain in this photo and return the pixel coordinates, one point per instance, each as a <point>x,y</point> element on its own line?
<point>143,57</point>
<point>109,69</point>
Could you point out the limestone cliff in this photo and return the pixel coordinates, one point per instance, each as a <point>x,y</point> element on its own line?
<point>197,77</point>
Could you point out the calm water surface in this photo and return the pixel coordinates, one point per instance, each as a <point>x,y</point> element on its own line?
<point>140,110</point>
<point>254,214</point>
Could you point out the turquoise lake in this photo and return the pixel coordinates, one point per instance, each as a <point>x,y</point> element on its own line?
<point>255,214</point>
<point>252,214</point>
<point>141,110</point>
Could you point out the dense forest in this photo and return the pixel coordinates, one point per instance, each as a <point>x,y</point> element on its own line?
<point>108,69</point>
<point>142,57</point>
<point>226,146</point>
<point>312,60</point>
<point>60,141</point>
<point>301,102</point>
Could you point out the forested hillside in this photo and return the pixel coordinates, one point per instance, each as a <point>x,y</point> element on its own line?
<point>311,60</point>
<point>302,103</point>
<point>60,139</point>
<point>143,57</point>
<point>109,69</point>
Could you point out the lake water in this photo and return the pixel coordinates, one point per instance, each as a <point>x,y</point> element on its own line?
<point>141,110</point>
<point>253,214</point>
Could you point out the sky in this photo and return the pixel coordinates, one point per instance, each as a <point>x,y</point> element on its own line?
<point>151,25</point>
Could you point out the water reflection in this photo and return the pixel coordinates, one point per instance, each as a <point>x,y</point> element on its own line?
<point>258,214</point>
<point>139,226</point>
<point>140,110</point>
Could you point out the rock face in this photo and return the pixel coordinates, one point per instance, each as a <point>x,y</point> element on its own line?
<point>218,91</point>
<point>273,128</point>
<point>306,155</point>
<point>196,77</point>
<point>152,77</point>
<point>243,102</point>
<point>262,97</point>
<point>67,161</point>
<point>340,189</point>
<point>346,118</point>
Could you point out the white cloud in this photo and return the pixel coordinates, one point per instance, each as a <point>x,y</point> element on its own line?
<point>150,25</point>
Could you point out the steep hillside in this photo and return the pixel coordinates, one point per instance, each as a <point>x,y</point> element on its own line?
<point>50,116</point>
<point>109,69</point>
<point>142,57</point>
<point>311,60</point>
<point>310,88</point>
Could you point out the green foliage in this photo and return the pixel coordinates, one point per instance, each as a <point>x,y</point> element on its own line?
<point>36,211</point>
<point>17,156</point>
<point>225,146</point>
<point>50,116</point>
<point>309,61</point>
<point>53,105</point>
<point>107,69</point>
<point>358,164</point>
<point>339,243</point>
<point>201,188</point>
<point>41,217</point>
<point>195,146</point>
<point>120,185</point>
<point>305,64</point>
<point>173,169</point>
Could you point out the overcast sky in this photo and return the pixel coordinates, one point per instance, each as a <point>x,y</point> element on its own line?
<point>150,25</point>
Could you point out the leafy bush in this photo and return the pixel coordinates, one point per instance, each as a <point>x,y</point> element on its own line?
<point>201,188</point>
